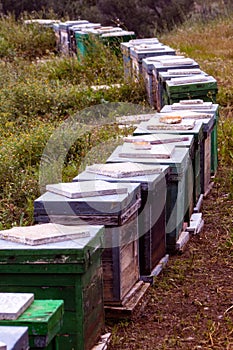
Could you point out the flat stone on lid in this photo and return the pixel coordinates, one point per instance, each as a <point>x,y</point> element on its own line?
<point>157,151</point>
<point>42,234</point>
<point>127,169</point>
<point>86,189</point>
<point>12,305</point>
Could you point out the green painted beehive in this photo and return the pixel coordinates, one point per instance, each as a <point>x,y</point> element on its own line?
<point>44,320</point>
<point>179,164</point>
<point>70,270</point>
<point>194,87</point>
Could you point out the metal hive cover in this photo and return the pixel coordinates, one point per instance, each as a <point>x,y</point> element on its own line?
<point>12,305</point>
<point>85,189</point>
<point>43,234</point>
<point>127,169</point>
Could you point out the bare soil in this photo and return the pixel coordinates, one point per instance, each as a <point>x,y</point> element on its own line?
<point>191,304</point>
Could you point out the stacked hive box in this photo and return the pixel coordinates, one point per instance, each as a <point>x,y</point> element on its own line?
<point>179,162</point>
<point>70,270</point>
<point>149,127</point>
<point>165,65</point>
<point>193,87</point>
<point>173,73</point>
<point>125,49</point>
<point>118,212</point>
<point>203,107</point>
<point>140,52</point>
<point>152,211</point>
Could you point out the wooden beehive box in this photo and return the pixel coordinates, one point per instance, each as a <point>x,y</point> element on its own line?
<point>137,53</point>
<point>44,320</point>
<point>168,75</point>
<point>118,212</point>
<point>14,338</point>
<point>147,68</point>
<point>196,131</point>
<point>182,63</point>
<point>152,180</point>
<point>179,164</point>
<point>205,107</point>
<point>70,270</point>
<point>190,88</point>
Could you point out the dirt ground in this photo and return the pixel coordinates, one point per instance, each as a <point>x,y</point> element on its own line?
<point>191,304</point>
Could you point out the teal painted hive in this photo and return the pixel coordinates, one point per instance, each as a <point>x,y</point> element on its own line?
<point>44,320</point>
<point>70,270</point>
<point>179,164</point>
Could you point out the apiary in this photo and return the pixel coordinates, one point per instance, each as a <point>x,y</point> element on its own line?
<point>43,318</point>
<point>179,163</point>
<point>151,216</point>
<point>117,211</point>
<point>14,338</point>
<point>70,269</point>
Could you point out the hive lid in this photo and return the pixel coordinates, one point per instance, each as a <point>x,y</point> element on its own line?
<point>12,305</point>
<point>191,71</point>
<point>43,234</point>
<point>185,124</point>
<point>145,47</point>
<point>163,58</point>
<point>186,114</point>
<point>120,170</point>
<point>85,189</point>
<point>182,61</point>
<point>192,104</point>
<point>157,139</point>
<point>190,79</point>
<point>128,150</point>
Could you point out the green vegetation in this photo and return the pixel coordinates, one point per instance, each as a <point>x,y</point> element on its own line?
<point>40,90</point>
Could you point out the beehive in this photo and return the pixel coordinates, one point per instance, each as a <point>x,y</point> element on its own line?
<point>118,212</point>
<point>163,66</point>
<point>179,164</point>
<point>205,107</point>
<point>152,210</point>
<point>196,132</point>
<point>70,270</point>
<point>139,52</point>
<point>194,87</point>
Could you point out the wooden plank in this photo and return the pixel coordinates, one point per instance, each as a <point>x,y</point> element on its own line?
<point>134,304</point>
